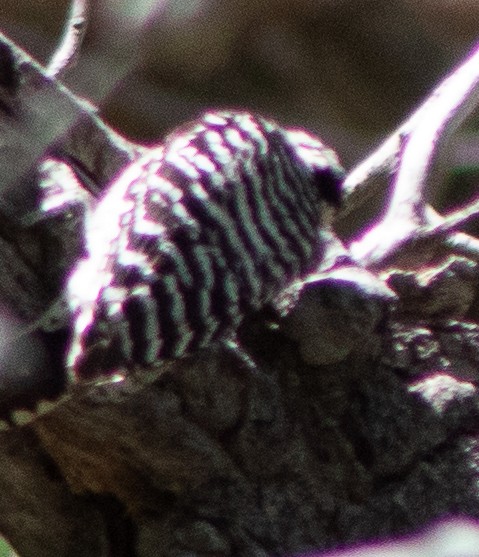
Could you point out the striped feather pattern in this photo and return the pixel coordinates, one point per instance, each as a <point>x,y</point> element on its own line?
<point>197,233</point>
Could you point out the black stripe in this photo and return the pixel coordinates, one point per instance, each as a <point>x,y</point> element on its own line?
<point>168,323</point>
<point>197,299</point>
<point>283,210</point>
<point>142,313</point>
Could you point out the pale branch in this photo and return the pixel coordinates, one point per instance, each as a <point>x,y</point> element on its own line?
<point>452,220</point>
<point>451,101</point>
<point>463,244</point>
<point>459,242</point>
<point>67,51</point>
<point>414,149</point>
<point>437,230</point>
<point>454,537</point>
<point>435,227</point>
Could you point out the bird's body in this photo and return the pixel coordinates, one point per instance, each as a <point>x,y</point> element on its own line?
<point>187,240</point>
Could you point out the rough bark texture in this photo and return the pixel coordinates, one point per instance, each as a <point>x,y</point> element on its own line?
<point>214,459</point>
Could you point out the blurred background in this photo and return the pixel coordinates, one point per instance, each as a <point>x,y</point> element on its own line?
<point>351,71</point>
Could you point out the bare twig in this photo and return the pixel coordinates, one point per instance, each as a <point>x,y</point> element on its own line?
<point>47,114</point>
<point>452,221</point>
<point>459,242</point>
<point>452,538</point>
<point>443,111</point>
<point>415,147</point>
<point>439,230</point>
<point>65,55</point>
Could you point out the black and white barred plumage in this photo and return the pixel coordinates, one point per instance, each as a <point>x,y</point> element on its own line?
<point>200,231</point>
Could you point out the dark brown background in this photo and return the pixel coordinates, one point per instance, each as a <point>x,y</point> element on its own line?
<point>349,70</point>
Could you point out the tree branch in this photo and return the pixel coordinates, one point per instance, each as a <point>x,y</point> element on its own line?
<point>414,149</point>
<point>67,51</point>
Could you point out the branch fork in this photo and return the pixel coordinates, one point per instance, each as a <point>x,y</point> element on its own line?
<point>410,155</point>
